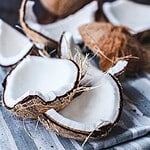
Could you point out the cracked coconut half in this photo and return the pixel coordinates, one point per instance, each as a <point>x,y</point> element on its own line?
<point>13,45</point>
<point>93,113</point>
<point>37,84</point>
<point>50,34</point>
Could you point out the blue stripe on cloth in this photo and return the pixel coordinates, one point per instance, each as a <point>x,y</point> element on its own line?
<point>66,143</point>
<point>87,146</point>
<point>23,141</point>
<point>137,98</point>
<point>42,137</point>
<point>6,139</point>
<point>142,143</point>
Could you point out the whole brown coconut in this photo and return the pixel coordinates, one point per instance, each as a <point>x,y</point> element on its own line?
<point>112,43</point>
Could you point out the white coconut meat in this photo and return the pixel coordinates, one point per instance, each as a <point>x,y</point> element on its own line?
<point>47,78</point>
<point>13,45</point>
<point>118,67</point>
<point>124,12</point>
<point>94,108</point>
<point>54,30</point>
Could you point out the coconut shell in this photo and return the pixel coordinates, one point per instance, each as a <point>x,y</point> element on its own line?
<point>33,105</point>
<point>33,51</point>
<point>68,133</point>
<point>100,132</point>
<point>111,43</point>
<point>63,8</point>
<point>32,34</point>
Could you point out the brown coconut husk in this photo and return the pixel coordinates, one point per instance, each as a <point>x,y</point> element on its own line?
<point>63,8</point>
<point>112,43</point>
<point>32,34</point>
<point>68,133</point>
<point>33,106</point>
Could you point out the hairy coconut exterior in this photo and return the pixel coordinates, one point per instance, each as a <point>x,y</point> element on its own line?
<point>63,8</point>
<point>32,106</point>
<point>32,34</point>
<point>100,132</point>
<point>112,43</point>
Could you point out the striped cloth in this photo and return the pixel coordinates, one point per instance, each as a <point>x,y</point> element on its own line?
<point>131,133</point>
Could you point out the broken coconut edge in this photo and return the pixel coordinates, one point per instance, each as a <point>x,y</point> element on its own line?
<point>34,35</point>
<point>20,52</point>
<point>60,129</point>
<point>32,106</point>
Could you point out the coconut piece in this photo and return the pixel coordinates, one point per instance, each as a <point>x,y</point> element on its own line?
<point>61,8</point>
<point>118,69</point>
<point>27,18</point>
<point>92,113</point>
<point>50,34</point>
<point>84,118</point>
<point>113,43</point>
<point>124,13</point>
<point>68,49</point>
<point>36,85</point>
<point>13,45</point>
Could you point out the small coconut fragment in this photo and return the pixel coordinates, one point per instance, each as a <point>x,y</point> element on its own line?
<point>63,8</point>
<point>67,47</point>
<point>118,69</point>
<point>36,85</point>
<point>13,45</point>
<point>113,43</point>
<point>50,34</point>
<point>90,115</point>
<point>128,13</point>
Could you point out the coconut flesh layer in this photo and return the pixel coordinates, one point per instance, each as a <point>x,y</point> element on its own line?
<point>118,67</point>
<point>13,45</point>
<point>70,23</point>
<point>124,12</point>
<point>94,108</point>
<point>46,77</point>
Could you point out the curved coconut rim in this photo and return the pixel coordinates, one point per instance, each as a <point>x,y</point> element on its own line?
<point>108,7</point>
<point>23,23</point>
<point>59,45</point>
<point>102,127</point>
<point>28,52</point>
<point>29,97</point>
<point>117,74</point>
<point>121,72</point>
<point>96,135</point>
